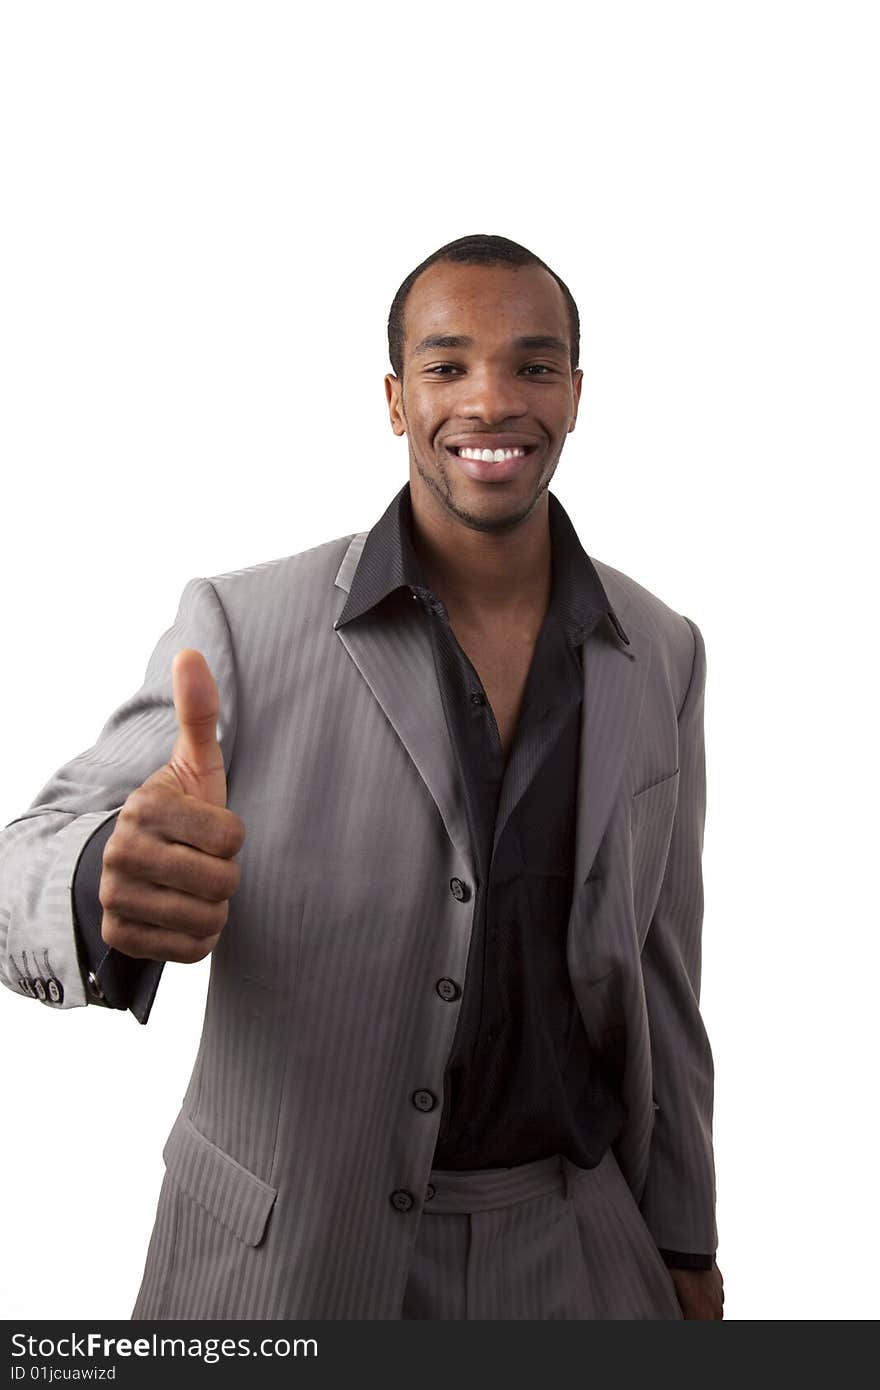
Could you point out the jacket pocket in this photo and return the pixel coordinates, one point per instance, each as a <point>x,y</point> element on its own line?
<point>664,783</point>
<point>214,1180</point>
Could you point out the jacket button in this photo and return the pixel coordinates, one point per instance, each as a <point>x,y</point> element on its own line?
<point>447,989</point>
<point>460,891</point>
<point>55,989</point>
<point>424,1100</point>
<point>402,1200</point>
<point>25,984</point>
<point>39,988</point>
<point>430,1190</point>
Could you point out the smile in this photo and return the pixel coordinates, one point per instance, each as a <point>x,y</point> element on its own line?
<point>492,466</point>
<point>490,455</point>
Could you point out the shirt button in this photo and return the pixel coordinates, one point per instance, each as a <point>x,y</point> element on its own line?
<point>477,698</point>
<point>430,1191</point>
<point>460,891</point>
<point>402,1200</point>
<point>424,1100</point>
<point>447,989</point>
<point>94,987</point>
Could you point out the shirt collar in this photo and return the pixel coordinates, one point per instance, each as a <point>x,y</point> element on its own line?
<point>389,561</point>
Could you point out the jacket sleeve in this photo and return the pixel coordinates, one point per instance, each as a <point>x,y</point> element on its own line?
<point>678,1201</point>
<point>45,953</point>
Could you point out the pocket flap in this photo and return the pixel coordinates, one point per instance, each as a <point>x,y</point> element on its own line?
<point>665,784</point>
<point>654,807</point>
<point>233,1194</point>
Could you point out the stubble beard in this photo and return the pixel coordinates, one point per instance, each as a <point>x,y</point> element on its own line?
<point>443,491</point>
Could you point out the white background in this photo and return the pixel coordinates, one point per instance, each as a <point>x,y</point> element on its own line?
<point>207,211</point>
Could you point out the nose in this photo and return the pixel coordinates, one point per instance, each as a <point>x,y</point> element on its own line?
<point>492,395</point>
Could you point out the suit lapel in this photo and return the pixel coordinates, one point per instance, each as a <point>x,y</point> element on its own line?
<point>615,677</point>
<point>396,661</point>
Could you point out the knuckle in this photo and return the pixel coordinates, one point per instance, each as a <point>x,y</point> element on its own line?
<point>108,892</point>
<point>111,853</point>
<point>115,853</point>
<point>175,949</point>
<point>191,951</point>
<point>138,805</point>
<point>217,917</point>
<point>232,836</point>
<point>225,882</point>
<point>217,892</point>
<point>111,930</point>
<point>149,805</point>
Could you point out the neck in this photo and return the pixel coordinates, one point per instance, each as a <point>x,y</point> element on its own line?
<point>484,576</point>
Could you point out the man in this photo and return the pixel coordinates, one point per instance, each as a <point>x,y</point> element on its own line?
<point>433,798</point>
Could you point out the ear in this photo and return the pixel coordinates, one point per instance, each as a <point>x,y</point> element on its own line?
<point>394,397</point>
<point>577,379</point>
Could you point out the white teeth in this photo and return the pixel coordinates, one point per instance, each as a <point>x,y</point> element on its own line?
<point>490,455</point>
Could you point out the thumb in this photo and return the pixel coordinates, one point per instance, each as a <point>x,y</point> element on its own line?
<point>197,758</point>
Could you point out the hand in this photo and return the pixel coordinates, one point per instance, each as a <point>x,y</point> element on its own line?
<point>700,1293</point>
<point>168,869</point>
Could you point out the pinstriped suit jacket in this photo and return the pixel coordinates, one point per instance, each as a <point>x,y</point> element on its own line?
<point>323,1014</point>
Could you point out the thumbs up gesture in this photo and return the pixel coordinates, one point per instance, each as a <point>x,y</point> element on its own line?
<point>169,868</point>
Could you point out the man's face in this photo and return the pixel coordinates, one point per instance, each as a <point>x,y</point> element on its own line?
<point>486,365</point>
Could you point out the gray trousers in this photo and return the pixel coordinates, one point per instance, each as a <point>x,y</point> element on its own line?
<point>541,1240</point>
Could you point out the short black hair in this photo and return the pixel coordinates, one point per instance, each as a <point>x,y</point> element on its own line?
<point>481,249</point>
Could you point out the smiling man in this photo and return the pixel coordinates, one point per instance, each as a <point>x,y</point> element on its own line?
<point>432,796</point>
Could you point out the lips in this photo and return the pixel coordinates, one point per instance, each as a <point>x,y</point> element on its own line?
<point>491,441</point>
<point>485,469</point>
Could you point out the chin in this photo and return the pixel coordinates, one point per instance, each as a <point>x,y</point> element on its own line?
<point>484,511</point>
<point>484,506</point>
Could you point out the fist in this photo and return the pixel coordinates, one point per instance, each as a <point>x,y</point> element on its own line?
<point>169,868</point>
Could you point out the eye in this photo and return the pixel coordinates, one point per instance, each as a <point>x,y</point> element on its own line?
<point>443,368</point>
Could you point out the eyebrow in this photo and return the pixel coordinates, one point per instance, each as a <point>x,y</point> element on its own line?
<point>530,342</point>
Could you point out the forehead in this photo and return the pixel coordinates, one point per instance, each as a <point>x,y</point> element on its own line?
<point>486,302</point>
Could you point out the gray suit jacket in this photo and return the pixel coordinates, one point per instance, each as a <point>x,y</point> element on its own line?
<point>328,1003</point>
